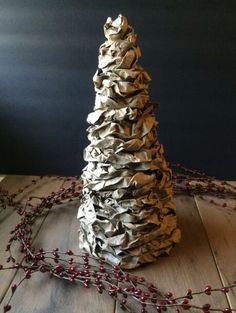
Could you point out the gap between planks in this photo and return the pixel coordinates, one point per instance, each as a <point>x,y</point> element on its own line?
<point>211,248</point>
<point>185,204</point>
<point>60,228</point>
<point>190,264</point>
<point>13,185</point>
<point>220,228</point>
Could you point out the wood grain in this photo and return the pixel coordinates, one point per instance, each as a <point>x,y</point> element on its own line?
<point>190,264</point>
<point>220,225</point>
<point>54,295</point>
<point>9,218</point>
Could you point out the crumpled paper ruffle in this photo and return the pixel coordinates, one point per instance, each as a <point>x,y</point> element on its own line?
<point>126,214</point>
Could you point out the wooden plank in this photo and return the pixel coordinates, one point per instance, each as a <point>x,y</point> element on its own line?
<point>9,218</point>
<point>190,264</point>
<point>41,294</point>
<point>220,225</point>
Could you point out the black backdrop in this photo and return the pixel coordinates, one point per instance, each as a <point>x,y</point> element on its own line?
<point>48,55</point>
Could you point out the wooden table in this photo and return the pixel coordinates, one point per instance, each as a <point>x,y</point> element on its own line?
<point>206,255</point>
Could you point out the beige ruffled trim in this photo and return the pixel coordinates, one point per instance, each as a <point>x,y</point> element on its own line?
<point>127,214</point>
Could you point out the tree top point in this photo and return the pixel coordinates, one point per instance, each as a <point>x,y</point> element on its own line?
<point>115,29</point>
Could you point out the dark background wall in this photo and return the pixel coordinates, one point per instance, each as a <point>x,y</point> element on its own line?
<point>48,55</point>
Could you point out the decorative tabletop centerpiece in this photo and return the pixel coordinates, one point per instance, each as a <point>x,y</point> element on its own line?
<point>126,213</point>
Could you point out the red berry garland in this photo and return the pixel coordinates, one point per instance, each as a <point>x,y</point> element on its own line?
<point>77,268</point>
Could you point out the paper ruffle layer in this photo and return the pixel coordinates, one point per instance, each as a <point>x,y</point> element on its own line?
<point>126,214</point>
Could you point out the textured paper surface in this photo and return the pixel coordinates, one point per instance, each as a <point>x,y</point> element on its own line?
<point>127,214</point>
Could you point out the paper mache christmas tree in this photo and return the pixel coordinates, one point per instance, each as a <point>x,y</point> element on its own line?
<point>126,213</point>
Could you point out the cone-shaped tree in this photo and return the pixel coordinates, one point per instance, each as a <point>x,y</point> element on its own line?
<point>126,214</point>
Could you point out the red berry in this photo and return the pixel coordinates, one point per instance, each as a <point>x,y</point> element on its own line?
<point>101,259</point>
<point>158,308</point>
<point>169,294</point>
<point>189,291</point>
<point>227,310</point>
<point>69,252</point>
<point>115,267</point>
<point>6,308</point>
<point>102,269</point>
<point>127,278</point>
<point>206,306</point>
<point>207,290</point>
<point>171,301</point>
<point>28,276</point>
<point>189,294</point>
<point>128,289</point>
<point>141,279</point>
<point>225,290</point>
<point>56,254</point>
<point>185,304</point>
<point>13,288</point>
<point>138,292</point>
<point>124,301</point>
